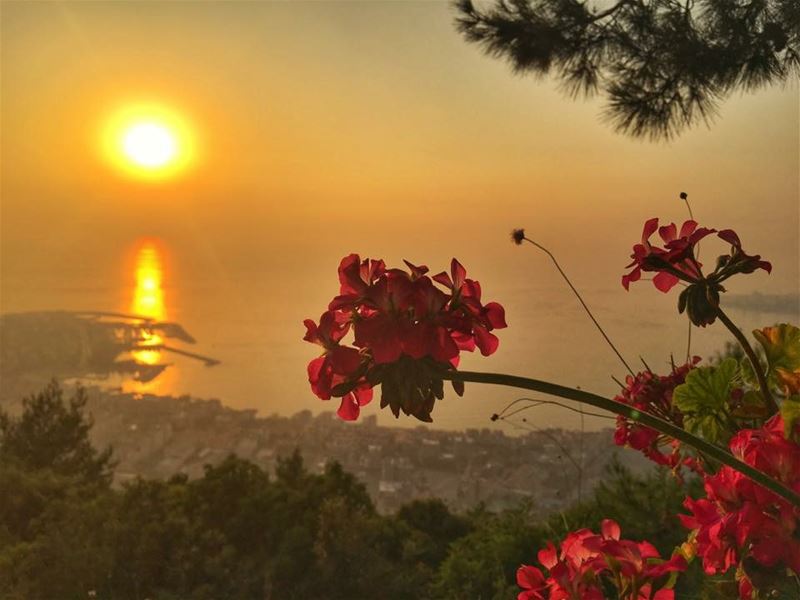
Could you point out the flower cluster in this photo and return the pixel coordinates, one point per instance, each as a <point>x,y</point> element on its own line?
<point>652,393</point>
<point>587,563</point>
<point>741,524</point>
<point>406,331</point>
<point>676,261</point>
<point>673,262</point>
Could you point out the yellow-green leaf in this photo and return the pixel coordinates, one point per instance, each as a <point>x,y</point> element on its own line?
<point>790,411</point>
<point>781,347</point>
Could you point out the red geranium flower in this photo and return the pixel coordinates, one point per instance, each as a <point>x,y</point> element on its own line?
<point>652,393</point>
<point>405,330</point>
<point>740,521</point>
<point>676,261</point>
<point>588,562</point>
<point>673,262</point>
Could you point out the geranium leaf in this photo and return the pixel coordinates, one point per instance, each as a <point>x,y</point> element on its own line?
<point>703,399</point>
<point>781,346</point>
<point>789,381</point>
<point>790,411</point>
<point>746,371</point>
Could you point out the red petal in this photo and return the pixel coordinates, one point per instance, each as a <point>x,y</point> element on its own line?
<point>344,301</point>
<point>634,275</point>
<point>647,550</point>
<point>319,377</point>
<point>443,348</point>
<point>699,234</point>
<point>459,273</point>
<point>548,556</point>
<point>487,342</point>
<point>729,235</point>
<point>496,315</point>
<point>349,408</point>
<point>530,578</point>
<point>668,232</point>
<point>344,360</point>
<point>380,334</point>
<point>463,341</point>
<point>349,274</point>
<point>418,340</point>
<point>665,281</point>
<point>370,270</point>
<point>311,331</point>
<point>471,289</point>
<point>444,279</point>
<point>610,529</point>
<point>314,368</point>
<point>688,228</point>
<point>416,271</point>
<point>363,394</point>
<point>650,227</point>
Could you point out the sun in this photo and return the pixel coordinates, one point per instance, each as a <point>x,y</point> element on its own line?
<point>149,145</point>
<point>149,141</point>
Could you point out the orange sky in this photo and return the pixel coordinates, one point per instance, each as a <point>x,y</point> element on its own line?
<point>306,108</point>
<point>327,128</point>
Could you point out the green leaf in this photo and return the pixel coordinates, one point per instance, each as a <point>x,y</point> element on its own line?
<point>746,372</point>
<point>781,346</point>
<point>790,411</point>
<point>703,399</point>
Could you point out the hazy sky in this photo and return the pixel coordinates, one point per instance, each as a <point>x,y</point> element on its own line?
<point>327,128</point>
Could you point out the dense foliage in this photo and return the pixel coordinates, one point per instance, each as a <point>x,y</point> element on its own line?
<point>239,533</point>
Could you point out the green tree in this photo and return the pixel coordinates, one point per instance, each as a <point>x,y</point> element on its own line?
<point>53,433</point>
<point>433,529</point>
<point>645,506</point>
<point>56,503</point>
<point>662,65</point>
<point>69,550</point>
<point>482,565</point>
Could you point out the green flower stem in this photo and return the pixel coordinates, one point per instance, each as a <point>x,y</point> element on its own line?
<point>751,356</point>
<point>619,408</point>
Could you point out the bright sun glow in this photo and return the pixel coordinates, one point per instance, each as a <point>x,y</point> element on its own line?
<point>149,145</point>
<point>149,142</point>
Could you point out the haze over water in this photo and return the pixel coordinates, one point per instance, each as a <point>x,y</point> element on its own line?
<point>319,137</point>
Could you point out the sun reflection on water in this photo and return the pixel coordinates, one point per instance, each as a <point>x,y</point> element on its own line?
<point>148,298</point>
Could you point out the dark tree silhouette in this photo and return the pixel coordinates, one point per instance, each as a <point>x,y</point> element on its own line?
<point>53,433</point>
<point>663,65</point>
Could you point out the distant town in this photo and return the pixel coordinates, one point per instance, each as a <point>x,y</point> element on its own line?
<point>157,437</point>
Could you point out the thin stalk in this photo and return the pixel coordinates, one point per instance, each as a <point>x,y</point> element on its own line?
<point>619,408</point>
<point>689,208</point>
<point>752,357</point>
<point>580,458</point>
<point>556,441</point>
<point>697,247</point>
<point>534,402</point>
<point>580,299</point>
